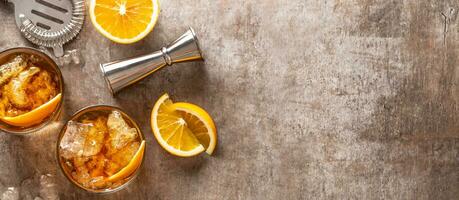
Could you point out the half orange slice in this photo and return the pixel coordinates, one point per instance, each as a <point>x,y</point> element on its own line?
<point>124,21</point>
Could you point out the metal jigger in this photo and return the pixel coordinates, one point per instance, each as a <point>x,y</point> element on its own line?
<point>122,73</point>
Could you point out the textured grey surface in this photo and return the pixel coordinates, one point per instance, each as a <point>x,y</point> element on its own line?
<point>354,99</point>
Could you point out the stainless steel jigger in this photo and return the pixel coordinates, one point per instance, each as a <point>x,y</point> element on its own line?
<point>122,73</point>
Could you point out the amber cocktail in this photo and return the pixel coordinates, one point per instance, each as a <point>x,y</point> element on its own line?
<point>100,149</point>
<point>31,89</point>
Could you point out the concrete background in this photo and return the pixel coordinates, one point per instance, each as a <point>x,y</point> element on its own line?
<point>332,99</point>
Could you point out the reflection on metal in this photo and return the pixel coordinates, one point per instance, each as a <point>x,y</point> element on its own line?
<point>49,23</point>
<point>122,73</point>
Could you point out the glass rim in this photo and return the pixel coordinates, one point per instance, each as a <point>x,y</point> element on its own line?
<point>54,116</point>
<point>81,112</point>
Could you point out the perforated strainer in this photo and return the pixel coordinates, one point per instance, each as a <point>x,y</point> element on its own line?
<point>49,23</point>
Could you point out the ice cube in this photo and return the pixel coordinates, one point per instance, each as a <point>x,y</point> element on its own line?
<point>81,175</point>
<point>120,134</point>
<point>121,158</point>
<point>72,143</point>
<point>71,58</point>
<point>111,168</point>
<point>96,165</point>
<point>48,187</point>
<point>28,185</point>
<point>89,170</point>
<point>94,139</point>
<point>124,155</point>
<point>98,182</point>
<point>79,162</point>
<point>11,193</point>
<point>29,188</point>
<point>12,68</point>
<point>81,139</point>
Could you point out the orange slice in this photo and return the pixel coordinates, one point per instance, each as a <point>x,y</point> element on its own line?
<point>131,167</point>
<point>124,21</point>
<point>200,123</point>
<point>36,115</point>
<point>182,129</point>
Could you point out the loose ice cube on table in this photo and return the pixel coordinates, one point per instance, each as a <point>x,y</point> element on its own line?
<point>11,193</point>
<point>119,132</point>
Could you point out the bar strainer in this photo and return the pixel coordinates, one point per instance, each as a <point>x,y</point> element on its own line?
<point>49,23</point>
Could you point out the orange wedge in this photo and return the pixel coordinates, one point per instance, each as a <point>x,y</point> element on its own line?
<point>36,115</point>
<point>131,166</point>
<point>124,21</point>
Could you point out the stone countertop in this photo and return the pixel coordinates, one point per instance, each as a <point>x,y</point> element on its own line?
<point>331,99</point>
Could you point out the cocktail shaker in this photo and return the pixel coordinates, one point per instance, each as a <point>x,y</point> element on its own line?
<point>122,73</point>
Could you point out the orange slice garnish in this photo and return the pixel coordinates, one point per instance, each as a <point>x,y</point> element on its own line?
<point>36,115</point>
<point>131,167</point>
